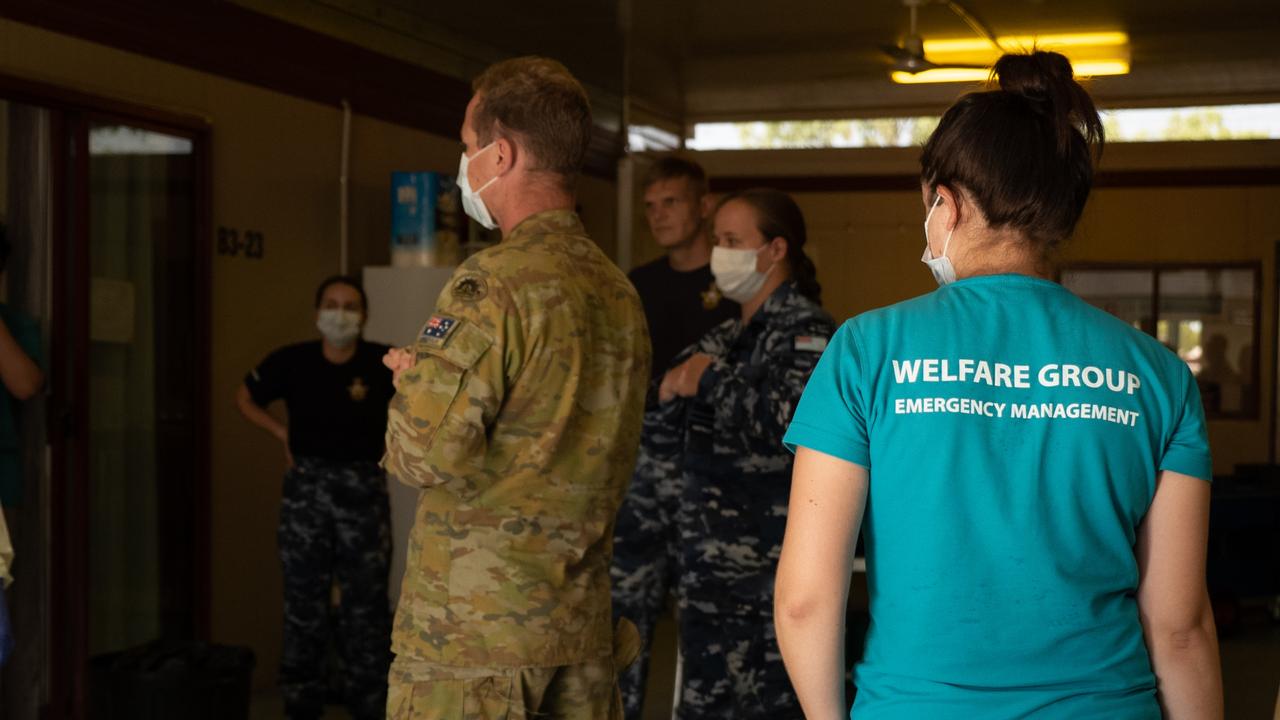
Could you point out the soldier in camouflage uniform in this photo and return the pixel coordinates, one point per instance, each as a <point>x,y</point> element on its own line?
<point>335,518</point>
<point>715,441</point>
<point>518,414</point>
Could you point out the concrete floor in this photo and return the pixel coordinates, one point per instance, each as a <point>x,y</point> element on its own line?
<point>1250,671</point>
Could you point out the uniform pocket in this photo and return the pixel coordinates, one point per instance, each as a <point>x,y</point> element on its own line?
<point>435,407</point>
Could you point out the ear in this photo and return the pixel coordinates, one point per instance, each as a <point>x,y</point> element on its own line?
<point>950,207</point>
<point>778,249</point>
<point>505,156</point>
<point>707,206</point>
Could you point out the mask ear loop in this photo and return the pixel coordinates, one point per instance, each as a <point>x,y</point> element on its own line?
<point>945,243</point>
<point>493,179</point>
<point>772,265</point>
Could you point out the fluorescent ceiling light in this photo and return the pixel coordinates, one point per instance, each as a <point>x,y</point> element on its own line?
<point>941,75</point>
<point>1088,68</point>
<point>950,46</point>
<point>1091,54</point>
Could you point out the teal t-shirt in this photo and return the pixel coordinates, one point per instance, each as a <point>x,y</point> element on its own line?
<point>1012,434</point>
<point>27,334</point>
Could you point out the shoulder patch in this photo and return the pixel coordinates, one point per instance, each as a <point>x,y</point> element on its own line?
<point>438,329</point>
<point>470,288</point>
<point>810,343</point>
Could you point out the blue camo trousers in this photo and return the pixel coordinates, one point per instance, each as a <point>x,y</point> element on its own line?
<point>731,529</point>
<point>644,572</point>
<point>335,526</point>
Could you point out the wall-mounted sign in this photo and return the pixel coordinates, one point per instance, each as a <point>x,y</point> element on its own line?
<point>232,244</point>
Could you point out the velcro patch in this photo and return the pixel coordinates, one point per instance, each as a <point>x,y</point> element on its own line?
<point>810,343</point>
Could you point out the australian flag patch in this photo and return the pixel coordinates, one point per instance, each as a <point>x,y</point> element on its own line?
<point>438,328</point>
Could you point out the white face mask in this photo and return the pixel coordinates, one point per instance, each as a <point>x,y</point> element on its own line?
<point>472,204</point>
<point>340,327</point>
<point>943,271</point>
<point>736,274</point>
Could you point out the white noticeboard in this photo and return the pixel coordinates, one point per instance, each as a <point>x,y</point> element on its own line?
<point>401,300</point>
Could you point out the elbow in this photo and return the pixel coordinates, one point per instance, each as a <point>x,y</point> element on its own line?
<point>795,611</point>
<point>243,401</point>
<point>1184,637</point>
<point>1188,633</point>
<point>799,606</point>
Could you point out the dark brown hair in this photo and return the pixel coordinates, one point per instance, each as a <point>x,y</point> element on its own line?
<point>537,103</point>
<point>777,215</point>
<point>1024,153</point>
<point>671,167</point>
<point>342,280</point>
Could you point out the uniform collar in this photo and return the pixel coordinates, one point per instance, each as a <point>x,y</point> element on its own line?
<point>778,302</point>
<point>779,299</point>
<point>560,222</point>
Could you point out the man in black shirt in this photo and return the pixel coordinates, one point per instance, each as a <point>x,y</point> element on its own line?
<point>681,301</point>
<point>335,518</point>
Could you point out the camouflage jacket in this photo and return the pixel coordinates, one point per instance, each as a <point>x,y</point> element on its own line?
<point>746,397</point>
<point>520,422</point>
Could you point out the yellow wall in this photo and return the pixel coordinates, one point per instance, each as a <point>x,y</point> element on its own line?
<point>275,162</point>
<point>867,245</point>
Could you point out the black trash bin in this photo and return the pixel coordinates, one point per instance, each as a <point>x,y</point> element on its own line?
<point>161,681</point>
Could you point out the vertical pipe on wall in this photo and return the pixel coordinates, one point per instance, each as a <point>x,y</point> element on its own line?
<point>625,163</point>
<point>625,209</point>
<point>343,199</point>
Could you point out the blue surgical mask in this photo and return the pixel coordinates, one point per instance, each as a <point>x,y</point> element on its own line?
<point>943,271</point>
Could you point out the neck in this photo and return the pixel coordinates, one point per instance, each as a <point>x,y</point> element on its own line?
<point>690,255</point>
<point>999,253</point>
<point>337,355</point>
<point>752,306</point>
<point>531,199</point>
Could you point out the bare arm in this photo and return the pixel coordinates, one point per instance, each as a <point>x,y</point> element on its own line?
<point>1173,599</point>
<point>828,496</point>
<point>263,419</point>
<point>21,376</point>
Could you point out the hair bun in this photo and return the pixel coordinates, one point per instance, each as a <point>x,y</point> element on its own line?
<point>1038,75</point>
<point>1048,85</point>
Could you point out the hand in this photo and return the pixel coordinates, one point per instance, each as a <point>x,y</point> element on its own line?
<point>683,379</point>
<point>282,434</point>
<point>399,360</point>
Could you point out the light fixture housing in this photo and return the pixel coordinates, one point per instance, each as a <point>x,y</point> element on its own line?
<point>1091,54</point>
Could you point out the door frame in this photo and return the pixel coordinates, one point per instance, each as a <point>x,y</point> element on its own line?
<point>71,113</point>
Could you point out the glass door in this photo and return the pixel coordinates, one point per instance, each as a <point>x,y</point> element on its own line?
<point>143,398</point>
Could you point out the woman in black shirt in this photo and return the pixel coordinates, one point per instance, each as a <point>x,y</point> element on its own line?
<point>334,514</point>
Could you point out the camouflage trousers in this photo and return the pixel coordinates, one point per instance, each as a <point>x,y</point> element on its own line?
<point>646,558</point>
<point>422,691</point>
<point>731,527</point>
<point>335,527</point>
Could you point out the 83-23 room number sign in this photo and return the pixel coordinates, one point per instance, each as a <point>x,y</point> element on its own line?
<point>232,244</point>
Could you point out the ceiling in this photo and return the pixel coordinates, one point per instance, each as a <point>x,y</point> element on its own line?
<point>742,59</point>
<point>682,61</point>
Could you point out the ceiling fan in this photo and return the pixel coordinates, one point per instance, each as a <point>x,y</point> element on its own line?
<point>909,56</point>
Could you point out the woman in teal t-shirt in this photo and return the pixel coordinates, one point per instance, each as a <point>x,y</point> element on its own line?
<point>1030,474</point>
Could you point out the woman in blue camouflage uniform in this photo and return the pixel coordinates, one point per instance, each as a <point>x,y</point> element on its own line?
<point>335,517</point>
<point>719,422</point>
